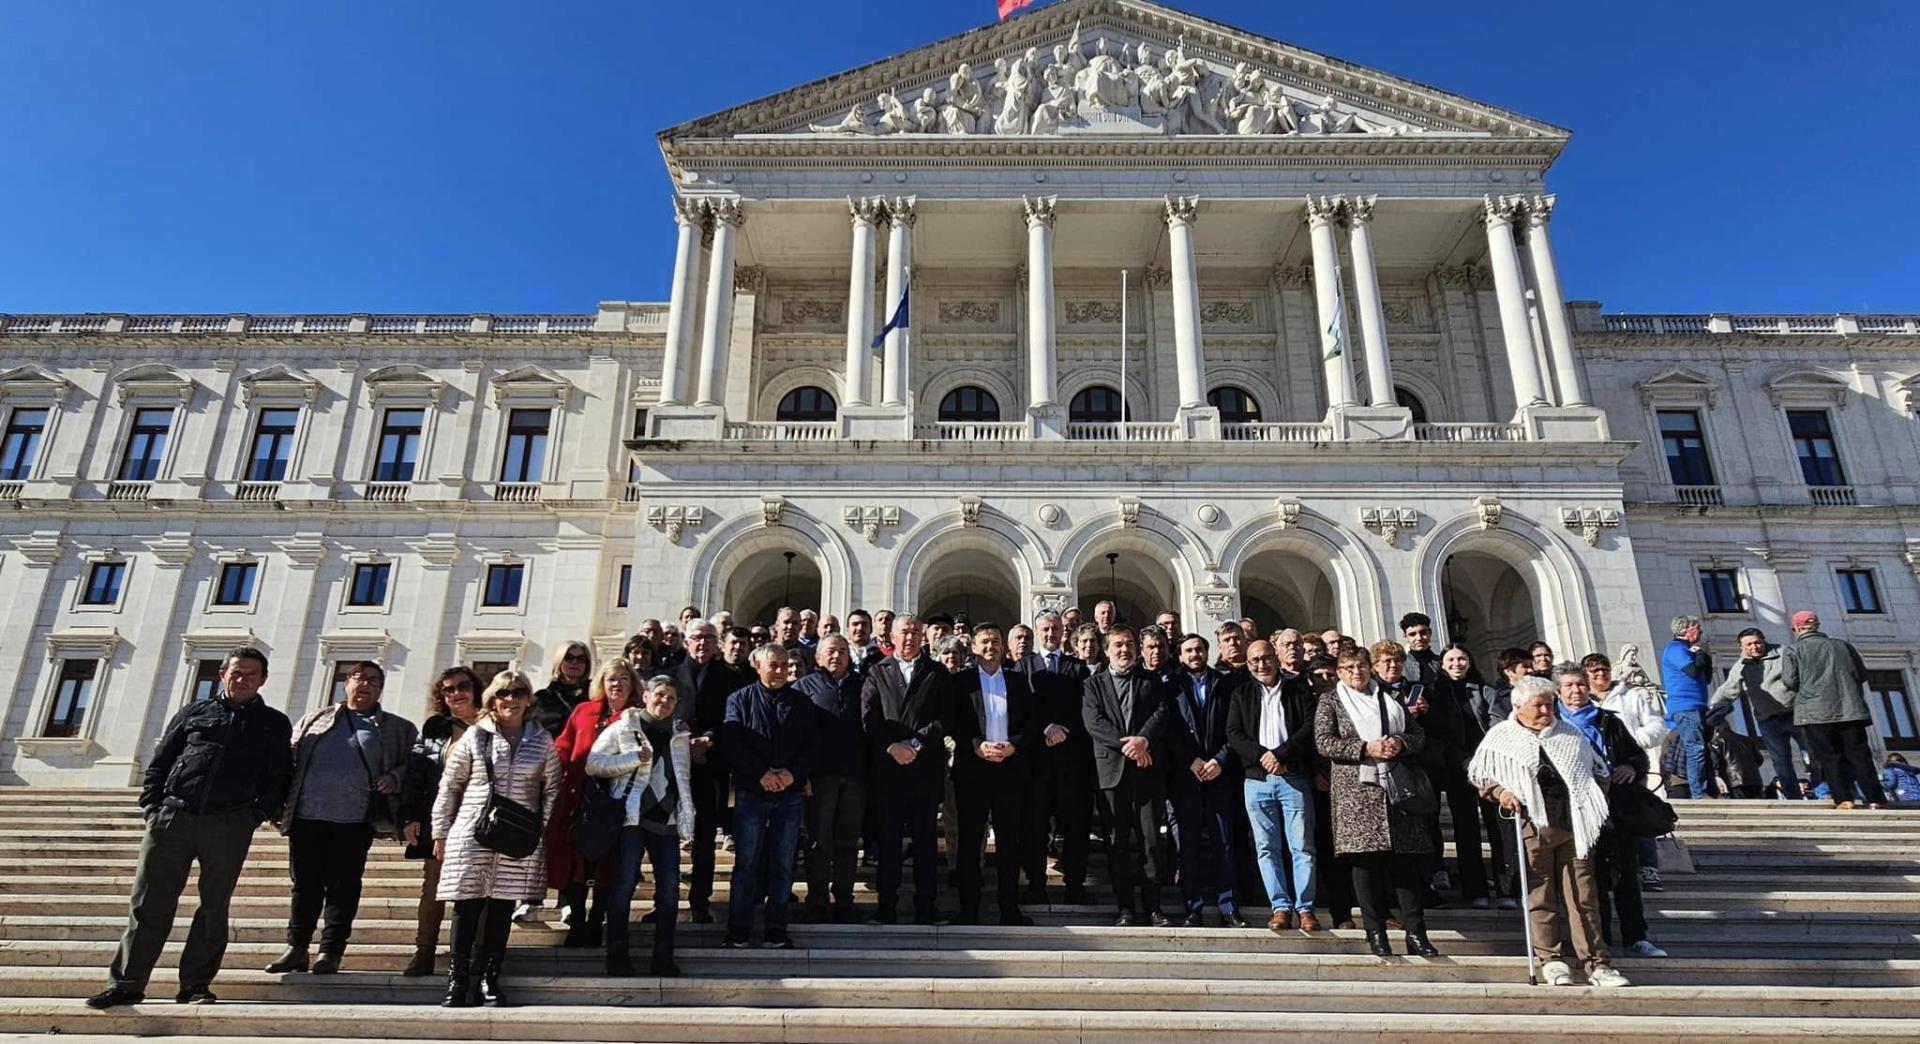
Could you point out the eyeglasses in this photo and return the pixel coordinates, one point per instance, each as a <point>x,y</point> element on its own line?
<point>448,690</point>
<point>576,657</point>
<point>518,694</point>
<point>368,679</point>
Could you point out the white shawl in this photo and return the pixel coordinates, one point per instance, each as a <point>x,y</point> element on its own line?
<point>1363,709</point>
<point>1510,757</point>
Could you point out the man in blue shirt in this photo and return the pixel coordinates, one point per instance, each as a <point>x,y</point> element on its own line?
<point>1687,669</point>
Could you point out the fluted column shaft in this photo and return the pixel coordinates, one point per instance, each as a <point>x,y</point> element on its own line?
<point>893,370</point>
<point>1188,353</point>
<point>1515,328</point>
<point>866,214</point>
<point>1366,288</point>
<point>1040,352</point>
<point>691,216</point>
<point>716,336</point>
<point>1553,306</point>
<point>1321,215</point>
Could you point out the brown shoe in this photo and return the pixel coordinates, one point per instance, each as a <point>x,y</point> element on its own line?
<point>1280,921</point>
<point>1394,925</point>
<point>1308,922</point>
<point>1343,926</point>
<point>1847,805</point>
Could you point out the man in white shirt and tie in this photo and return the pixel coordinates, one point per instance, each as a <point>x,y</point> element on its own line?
<point>997,727</point>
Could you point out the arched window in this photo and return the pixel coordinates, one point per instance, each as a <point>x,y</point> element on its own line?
<point>806,404</point>
<point>969,403</point>
<point>1412,403</point>
<point>1096,405</point>
<point>1234,404</point>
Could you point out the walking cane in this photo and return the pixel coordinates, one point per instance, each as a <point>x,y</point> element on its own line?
<point>1526,914</point>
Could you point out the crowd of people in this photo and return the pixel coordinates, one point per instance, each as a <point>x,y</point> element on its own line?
<point>1302,771</point>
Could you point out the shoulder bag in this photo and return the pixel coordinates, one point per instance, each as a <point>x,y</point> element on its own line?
<point>1406,783</point>
<point>600,817</point>
<point>506,826</point>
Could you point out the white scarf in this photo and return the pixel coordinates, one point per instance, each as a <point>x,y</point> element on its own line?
<point>1363,709</point>
<point>1510,757</point>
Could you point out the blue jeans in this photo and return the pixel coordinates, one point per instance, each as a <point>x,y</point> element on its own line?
<point>1280,809</point>
<point>1206,870</point>
<point>1690,731</point>
<point>766,832</point>
<point>663,850</point>
<point>1779,734</point>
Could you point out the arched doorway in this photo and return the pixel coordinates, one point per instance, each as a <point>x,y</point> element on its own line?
<point>1281,587</point>
<point>769,579</point>
<point>1490,605</point>
<point>971,579</point>
<point>1137,581</point>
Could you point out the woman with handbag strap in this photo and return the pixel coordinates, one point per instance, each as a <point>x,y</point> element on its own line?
<point>1364,735</point>
<point>647,757</point>
<point>613,689</point>
<point>505,759</point>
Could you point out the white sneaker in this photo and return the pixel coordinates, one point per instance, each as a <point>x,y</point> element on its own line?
<point>1556,973</point>
<point>1605,976</point>
<point>1646,948</point>
<point>527,913</point>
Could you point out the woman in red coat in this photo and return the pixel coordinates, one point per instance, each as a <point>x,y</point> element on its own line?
<point>614,688</point>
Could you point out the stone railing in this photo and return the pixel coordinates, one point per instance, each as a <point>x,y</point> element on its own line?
<point>1277,431</point>
<point>1699,496</point>
<point>975,431</point>
<point>11,490</point>
<point>783,431</point>
<point>128,490</point>
<point>517,492</point>
<point>1720,323</point>
<point>1125,431</point>
<point>388,492</point>
<point>298,325</point>
<point>1469,433</point>
<point>1832,496</point>
<point>257,492</point>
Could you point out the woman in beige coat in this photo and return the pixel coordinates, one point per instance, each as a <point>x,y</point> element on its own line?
<point>508,751</point>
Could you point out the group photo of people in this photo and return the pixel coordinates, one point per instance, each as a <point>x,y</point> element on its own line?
<point>1292,781</point>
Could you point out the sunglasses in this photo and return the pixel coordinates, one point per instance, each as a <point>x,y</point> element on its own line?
<point>518,694</point>
<point>576,657</point>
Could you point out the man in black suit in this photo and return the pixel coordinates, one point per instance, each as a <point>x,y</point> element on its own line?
<point>704,682</point>
<point>905,710</point>
<point>1270,727</point>
<point>1062,773</point>
<point>996,730</point>
<point>1128,712</point>
<point>1205,783</point>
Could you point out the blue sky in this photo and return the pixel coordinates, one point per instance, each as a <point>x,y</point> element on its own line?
<point>498,155</point>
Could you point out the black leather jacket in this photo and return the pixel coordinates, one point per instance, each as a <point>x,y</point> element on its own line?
<point>218,757</point>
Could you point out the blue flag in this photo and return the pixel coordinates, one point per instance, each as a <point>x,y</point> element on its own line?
<point>899,320</point>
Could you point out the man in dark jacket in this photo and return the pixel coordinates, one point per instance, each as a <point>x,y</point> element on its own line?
<point>772,742</point>
<point>1270,727</point>
<point>1062,783</point>
<point>1826,677</point>
<point>704,682</point>
<point>997,723</point>
<point>1127,714</point>
<point>1204,780</point>
<point>837,807</point>
<point>220,770</point>
<point>904,707</point>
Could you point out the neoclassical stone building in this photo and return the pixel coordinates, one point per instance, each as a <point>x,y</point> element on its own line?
<point>1194,319</point>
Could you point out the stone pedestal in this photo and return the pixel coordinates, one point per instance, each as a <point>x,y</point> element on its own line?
<point>1198,423</point>
<point>687,423</point>
<point>1049,421</point>
<point>1564,423</point>
<point>1371,423</point>
<point>889,423</point>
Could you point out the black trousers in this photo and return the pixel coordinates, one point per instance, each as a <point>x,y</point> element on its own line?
<point>1616,876</point>
<point>710,783</point>
<point>1463,806</point>
<point>999,793</point>
<point>1846,759</point>
<point>915,816</point>
<point>328,862</point>
<point>1375,874</point>
<point>1334,878</point>
<point>834,815</point>
<point>1204,829</point>
<point>1061,789</point>
<point>1136,854</point>
<point>480,928</point>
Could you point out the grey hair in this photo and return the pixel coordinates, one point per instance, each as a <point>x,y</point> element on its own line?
<point>955,644</point>
<point>1047,614</point>
<point>663,681</point>
<point>1566,667</point>
<point>697,626</point>
<point>832,638</point>
<point>1531,688</point>
<point>1681,623</point>
<point>767,652</point>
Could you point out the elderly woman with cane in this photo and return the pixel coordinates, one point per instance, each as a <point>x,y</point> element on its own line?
<point>1544,772</point>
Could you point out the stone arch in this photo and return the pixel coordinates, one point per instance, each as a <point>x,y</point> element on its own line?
<point>1155,542</point>
<point>1255,383</point>
<point>738,541</point>
<point>777,385</point>
<point>922,549</point>
<point>1557,587</point>
<point>1353,574</point>
<point>1140,398</point>
<point>1001,385</point>
<point>1431,395</point>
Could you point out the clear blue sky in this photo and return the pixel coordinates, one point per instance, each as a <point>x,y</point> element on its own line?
<point>498,155</point>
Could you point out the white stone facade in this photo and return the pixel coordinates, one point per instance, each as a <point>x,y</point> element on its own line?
<point>1528,495</point>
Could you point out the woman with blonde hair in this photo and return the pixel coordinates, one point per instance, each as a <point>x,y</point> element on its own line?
<point>504,753</point>
<point>614,688</point>
<point>453,705</point>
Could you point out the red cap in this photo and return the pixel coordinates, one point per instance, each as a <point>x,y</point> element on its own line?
<point>1803,618</point>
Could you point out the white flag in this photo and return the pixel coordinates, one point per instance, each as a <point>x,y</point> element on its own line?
<point>1334,338</point>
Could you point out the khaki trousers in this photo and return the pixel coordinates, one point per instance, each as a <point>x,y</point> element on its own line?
<point>432,910</point>
<point>1562,899</point>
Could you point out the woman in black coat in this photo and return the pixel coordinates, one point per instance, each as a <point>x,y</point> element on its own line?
<point>453,702</point>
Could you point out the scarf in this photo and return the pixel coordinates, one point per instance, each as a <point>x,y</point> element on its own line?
<point>1363,709</point>
<point>1587,720</point>
<point>1510,757</point>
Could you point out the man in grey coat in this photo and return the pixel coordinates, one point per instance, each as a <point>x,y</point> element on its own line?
<point>1826,677</point>
<point>1757,677</point>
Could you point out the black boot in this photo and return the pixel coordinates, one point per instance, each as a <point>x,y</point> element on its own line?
<point>293,959</point>
<point>1418,945</point>
<point>663,965</point>
<point>490,993</point>
<point>619,962</point>
<point>576,938</point>
<point>1377,944</point>
<point>459,983</point>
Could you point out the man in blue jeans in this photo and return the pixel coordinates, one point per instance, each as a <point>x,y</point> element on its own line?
<point>771,739</point>
<point>1686,668</point>
<point>1757,677</point>
<point>1270,728</point>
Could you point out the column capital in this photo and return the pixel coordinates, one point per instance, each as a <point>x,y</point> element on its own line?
<point>749,278</point>
<point>1039,210</point>
<point>1360,209</point>
<point>1325,210</point>
<point>1182,210</point>
<point>1539,211</point>
<point>1156,277</point>
<point>900,212</point>
<point>867,210</point>
<point>690,213</point>
<point>1502,210</point>
<point>729,212</point>
<point>1293,277</point>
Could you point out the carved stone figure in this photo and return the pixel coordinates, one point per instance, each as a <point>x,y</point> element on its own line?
<point>855,122</point>
<point>1189,104</point>
<point>894,118</point>
<point>1018,83</point>
<point>1150,82</point>
<point>1059,105</point>
<point>926,113</point>
<point>966,103</point>
<point>1106,82</point>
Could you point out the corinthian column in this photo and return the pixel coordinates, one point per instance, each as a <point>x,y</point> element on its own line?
<point>1503,257</point>
<point>691,216</point>
<point>893,371</point>
<point>1187,352</point>
<point>1321,215</point>
<point>1553,307</point>
<point>716,336</point>
<point>866,215</point>
<point>1040,365</point>
<point>1366,287</point>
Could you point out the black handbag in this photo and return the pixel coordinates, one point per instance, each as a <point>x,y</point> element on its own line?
<point>600,817</point>
<point>1406,783</point>
<point>506,826</point>
<point>1639,812</point>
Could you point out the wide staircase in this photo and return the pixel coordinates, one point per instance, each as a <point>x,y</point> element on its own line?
<point>1800,922</point>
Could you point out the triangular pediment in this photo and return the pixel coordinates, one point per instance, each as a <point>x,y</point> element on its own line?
<point>1679,387</point>
<point>1091,70</point>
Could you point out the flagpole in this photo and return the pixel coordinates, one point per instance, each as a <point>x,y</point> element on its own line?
<point>1123,354</point>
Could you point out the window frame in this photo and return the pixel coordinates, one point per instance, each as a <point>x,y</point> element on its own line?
<point>622,585</point>
<point>989,404</point>
<point>96,644</point>
<point>161,462</point>
<point>1741,602</point>
<point>350,587</point>
<point>217,584</point>
<point>1846,590</point>
<point>402,387</point>
<point>1252,405</point>
<point>289,438</point>
<point>1699,432</point>
<point>1881,708</point>
<point>1119,414</point>
<point>814,415</point>
<point>508,433</point>
<point>482,589</point>
<point>87,703</point>
<point>383,426</point>
<point>84,589</point>
<point>195,664</point>
<point>29,467</point>
<point>1831,438</point>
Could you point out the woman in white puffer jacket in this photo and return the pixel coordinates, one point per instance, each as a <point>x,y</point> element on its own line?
<point>659,816</point>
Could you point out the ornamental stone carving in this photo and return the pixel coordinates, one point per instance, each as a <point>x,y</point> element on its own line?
<point>1039,210</point>
<point>1288,513</point>
<point>1213,603</point>
<point>1588,522</point>
<point>970,512</point>
<point>869,520</point>
<point>675,519</point>
<point>813,313</point>
<point>1182,210</point>
<point>1488,510</point>
<point>969,313</point>
<point>1293,277</point>
<point>1050,515</point>
<point>1912,557</point>
<point>1079,313</point>
<point>728,212</point>
<point>1049,601</point>
<point>771,508</point>
<point>1129,512</point>
<point>1389,522</point>
<point>750,279</point>
<point>1209,515</point>
<point>1157,277</point>
<point>1230,313</point>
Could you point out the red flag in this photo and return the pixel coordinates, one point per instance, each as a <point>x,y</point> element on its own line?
<point>1008,7</point>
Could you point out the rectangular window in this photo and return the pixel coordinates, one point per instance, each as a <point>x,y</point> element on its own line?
<point>1813,444</point>
<point>1686,446</point>
<point>399,445</point>
<point>1721,590</point>
<point>70,698</point>
<point>272,445</point>
<point>22,445</point>
<point>369,584</point>
<point>626,585</point>
<point>526,455</point>
<point>503,585</point>
<point>146,445</point>
<point>639,432</point>
<point>236,583</point>
<point>206,680</point>
<point>103,583</point>
<point>337,688</point>
<point>1858,592</point>
<point>1892,707</point>
<point>485,670</point>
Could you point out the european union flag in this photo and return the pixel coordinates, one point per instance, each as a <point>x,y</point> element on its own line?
<point>899,320</point>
